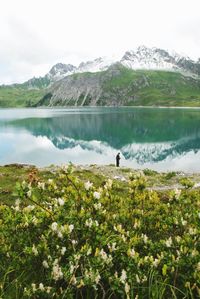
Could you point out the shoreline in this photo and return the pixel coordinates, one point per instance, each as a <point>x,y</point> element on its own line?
<point>83,107</point>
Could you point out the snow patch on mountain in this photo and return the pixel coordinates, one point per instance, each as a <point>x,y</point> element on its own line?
<point>150,59</point>
<point>140,58</point>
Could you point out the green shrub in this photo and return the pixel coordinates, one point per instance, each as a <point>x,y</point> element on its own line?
<point>71,240</point>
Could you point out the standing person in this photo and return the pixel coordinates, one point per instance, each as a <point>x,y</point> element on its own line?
<point>117,159</point>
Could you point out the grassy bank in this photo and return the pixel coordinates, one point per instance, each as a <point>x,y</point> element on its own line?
<point>98,232</point>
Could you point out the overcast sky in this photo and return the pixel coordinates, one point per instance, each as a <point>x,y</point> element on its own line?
<point>35,34</point>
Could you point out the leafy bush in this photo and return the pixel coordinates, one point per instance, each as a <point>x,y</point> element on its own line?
<point>170,175</point>
<point>71,240</point>
<point>187,183</point>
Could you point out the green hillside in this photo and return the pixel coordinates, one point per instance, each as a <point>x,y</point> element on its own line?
<point>117,86</point>
<point>151,88</point>
<point>19,97</point>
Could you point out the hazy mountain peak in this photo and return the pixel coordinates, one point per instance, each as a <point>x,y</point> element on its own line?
<point>61,69</point>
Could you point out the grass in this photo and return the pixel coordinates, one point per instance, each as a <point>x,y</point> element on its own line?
<point>19,97</point>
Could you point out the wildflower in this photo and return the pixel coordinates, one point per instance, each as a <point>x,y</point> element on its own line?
<point>145,238</point>
<point>156,263</point>
<point>198,267</point>
<point>103,254</point>
<point>97,278</point>
<point>184,222</point>
<point>48,290</point>
<point>45,264</point>
<point>71,227</point>
<point>123,238</point>
<point>194,252</point>
<point>131,252</point>
<point>96,223</point>
<point>41,287</point>
<point>168,242</point>
<point>59,234</point>
<point>105,257</point>
<point>72,267</point>
<point>96,195</point>
<point>123,276</point>
<point>116,274</point>
<point>97,206</point>
<point>88,185</point>
<point>41,185</point>
<point>74,242</point>
<point>112,247</point>
<point>54,226</point>
<point>89,251</point>
<point>33,285</point>
<point>73,280</point>
<point>137,223</point>
<point>34,220</point>
<point>89,222</point>
<point>34,250</point>
<point>127,288</point>
<point>56,271</point>
<point>17,208</point>
<point>17,202</point>
<point>61,202</point>
<point>108,184</point>
<point>192,231</point>
<point>137,278</point>
<point>63,250</point>
<point>77,257</point>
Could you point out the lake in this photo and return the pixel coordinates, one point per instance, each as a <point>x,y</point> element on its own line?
<point>164,139</point>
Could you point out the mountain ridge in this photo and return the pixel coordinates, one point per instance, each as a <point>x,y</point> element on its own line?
<point>145,76</point>
<point>142,57</point>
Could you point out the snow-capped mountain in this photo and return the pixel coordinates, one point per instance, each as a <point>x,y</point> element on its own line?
<point>59,70</point>
<point>140,58</point>
<point>97,65</point>
<point>149,58</point>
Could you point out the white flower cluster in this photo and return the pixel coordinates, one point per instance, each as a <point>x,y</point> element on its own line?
<point>34,250</point>
<point>89,222</point>
<point>112,247</point>
<point>56,271</point>
<point>97,206</point>
<point>108,184</point>
<point>41,287</point>
<point>59,230</point>
<point>168,242</point>
<point>93,276</point>
<point>97,195</point>
<point>88,185</point>
<point>107,258</point>
<point>41,185</point>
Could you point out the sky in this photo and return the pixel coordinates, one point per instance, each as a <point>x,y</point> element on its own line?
<point>36,34</point>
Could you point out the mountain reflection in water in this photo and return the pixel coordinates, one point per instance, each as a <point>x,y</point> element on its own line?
<point>142,135</point>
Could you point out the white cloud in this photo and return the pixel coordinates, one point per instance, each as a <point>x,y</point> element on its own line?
<point>36,34</point>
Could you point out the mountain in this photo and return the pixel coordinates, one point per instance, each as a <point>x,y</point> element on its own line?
<point>144,76</point>
<point>142,58</point>
<point>122,86</point>
<point>158,59</point>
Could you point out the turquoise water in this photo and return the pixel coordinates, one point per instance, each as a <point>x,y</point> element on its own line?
<point>162,139</point>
